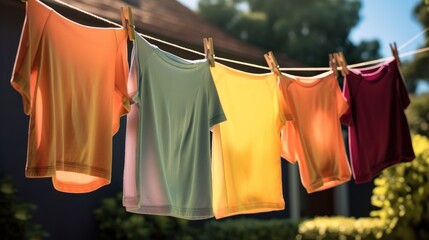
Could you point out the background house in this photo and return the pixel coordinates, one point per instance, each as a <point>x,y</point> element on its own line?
<point>70,216</point>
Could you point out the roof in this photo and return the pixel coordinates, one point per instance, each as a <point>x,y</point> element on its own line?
<point>171,21</point>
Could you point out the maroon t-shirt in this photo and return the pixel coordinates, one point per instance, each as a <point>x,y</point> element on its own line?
<point>378,130</point>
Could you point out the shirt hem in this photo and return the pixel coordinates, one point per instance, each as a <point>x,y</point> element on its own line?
<point>130,202</point>
<point>79,188</point>
<point>380,167</point>
<point>248,209</point>
<point>184,213</point>
<point>103,177</point>
<point>326,183</point>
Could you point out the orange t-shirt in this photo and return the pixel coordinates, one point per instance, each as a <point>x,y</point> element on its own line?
<point>313,136</point>
<point>72,79</point>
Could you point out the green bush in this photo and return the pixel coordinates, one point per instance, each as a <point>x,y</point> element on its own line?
<point>402,194</point>
<point>342,228</point>
<point>15,215</point>
<point>249,229</point>
<point>418,114</point>
<point>114,222</point>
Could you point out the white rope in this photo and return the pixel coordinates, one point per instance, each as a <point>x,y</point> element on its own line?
<point>421,50</point>
<point>171,44</point>
<point>413,38</point>
<point>242,63</point>
<point>88,13</point>
<point>367,63</point>
<point>256,65</point>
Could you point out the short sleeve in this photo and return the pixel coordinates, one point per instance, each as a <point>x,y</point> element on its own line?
<point>284,107</point>
<point>289,142</point>
<point>284,104</point>
<point>24,73</point>
<point>215,110</point>
<point>141,52</point>
<point>288,132</point>
<point>347,115</point>
<point>121,98</point>
<point>401,88</point>
<point>342,105</point>
<point>133,76</point>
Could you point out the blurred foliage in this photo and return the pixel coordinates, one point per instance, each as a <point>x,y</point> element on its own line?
<point>418,68</point>
<point>340,228</point>
<point>418,114</point>
<point>402,193</point>
<point>114,222</point>
<point>249,229</point>
<point>15,215</point>
<point>306,30</point>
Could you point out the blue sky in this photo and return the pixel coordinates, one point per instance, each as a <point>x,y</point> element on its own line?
<point>386,20</point>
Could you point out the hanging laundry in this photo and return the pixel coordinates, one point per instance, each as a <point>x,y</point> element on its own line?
<point>168,167</point>
<point>72,79</point>
<point>378,130</point>
<point>246,148</point>
<point>313,137</point>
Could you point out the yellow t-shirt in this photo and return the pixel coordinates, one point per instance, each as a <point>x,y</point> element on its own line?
<point>313,138</point>
<point>72,79</point>
<point>246,164</point>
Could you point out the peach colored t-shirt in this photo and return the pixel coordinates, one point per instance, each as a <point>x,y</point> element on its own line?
<point>72,79</point>
<point>313,137</point>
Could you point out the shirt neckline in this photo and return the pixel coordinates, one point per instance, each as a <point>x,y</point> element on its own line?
<point>373,73</point>
<point>178,61</point>
<point>243,74</point>
<point>300,80</point>
<point>73,23</point>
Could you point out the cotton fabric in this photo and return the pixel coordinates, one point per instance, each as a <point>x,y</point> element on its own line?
<point>72,79</point>
<point>379,136</point>
<point>167,165</point>
<point>246,148</point>
<point>313,136</point>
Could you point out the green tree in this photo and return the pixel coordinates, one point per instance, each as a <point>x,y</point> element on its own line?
<point>417,69</point>
<point>401,195</point>
<point>418,114</point>
<point>306,30</point>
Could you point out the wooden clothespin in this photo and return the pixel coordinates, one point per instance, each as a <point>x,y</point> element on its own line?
<point>272,63</point>
<point>341,61</point>
<point>395,53</point>
<point>128,22</point>
<point>333,64</point>
<point>209,50</point>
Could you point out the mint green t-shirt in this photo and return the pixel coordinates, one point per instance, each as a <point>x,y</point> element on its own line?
<point>167,165</point>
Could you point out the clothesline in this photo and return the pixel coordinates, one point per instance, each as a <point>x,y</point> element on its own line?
<point>356,65</point>
<point>413,38</point>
